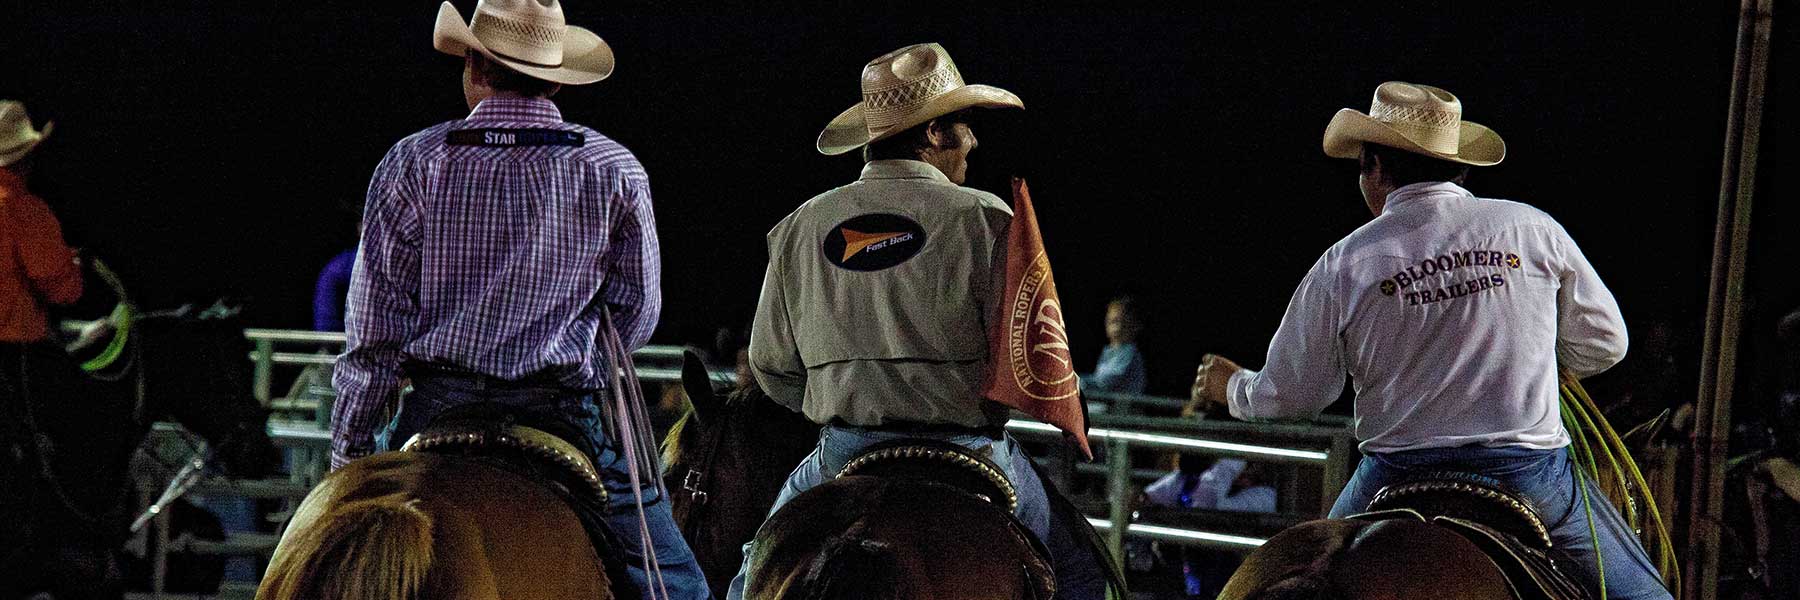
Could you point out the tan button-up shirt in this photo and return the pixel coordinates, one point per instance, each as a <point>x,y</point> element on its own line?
<point>875,302</point>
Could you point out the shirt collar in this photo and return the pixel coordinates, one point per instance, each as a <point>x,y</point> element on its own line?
<point>1423,189</point>
<point>902,169</point>
<point>516,108</point>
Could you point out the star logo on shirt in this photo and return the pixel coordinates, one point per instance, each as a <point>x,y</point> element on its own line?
<point>1512,260</point>
<point>1388,287</point>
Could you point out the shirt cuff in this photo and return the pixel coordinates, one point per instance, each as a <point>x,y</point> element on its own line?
<point>1237,393</point>
<point>341,458</point>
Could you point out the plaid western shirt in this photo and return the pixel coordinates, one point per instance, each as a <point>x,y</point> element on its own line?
<point>494,259</point>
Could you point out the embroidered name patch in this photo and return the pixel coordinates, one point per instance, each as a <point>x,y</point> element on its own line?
<point>1444,267</point>
<point>514,137</point>
<point>873,242</point>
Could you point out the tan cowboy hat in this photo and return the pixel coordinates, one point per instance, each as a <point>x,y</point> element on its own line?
<point>528,36</point>
<point>17,138</point>
<point>902,89</point>
<point>1416,118</point>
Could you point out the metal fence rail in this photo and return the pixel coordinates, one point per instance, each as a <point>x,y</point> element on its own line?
<point>299,424</point>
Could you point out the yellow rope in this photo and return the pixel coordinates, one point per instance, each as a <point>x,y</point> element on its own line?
<point>1590,430</point>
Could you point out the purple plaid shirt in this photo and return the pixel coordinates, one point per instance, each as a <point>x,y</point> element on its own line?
<point>494,260</point>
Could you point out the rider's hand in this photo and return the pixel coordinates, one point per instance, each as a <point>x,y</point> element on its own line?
<point>1209,384</point>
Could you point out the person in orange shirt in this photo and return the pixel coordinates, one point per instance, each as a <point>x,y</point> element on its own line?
<point>36,267</point>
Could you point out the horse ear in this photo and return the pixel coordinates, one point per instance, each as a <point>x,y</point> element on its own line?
<point>698,384</point>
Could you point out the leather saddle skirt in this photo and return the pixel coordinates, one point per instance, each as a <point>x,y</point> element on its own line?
<point>1501,523</point>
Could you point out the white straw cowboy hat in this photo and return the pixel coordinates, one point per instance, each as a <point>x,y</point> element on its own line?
<point>902,89</point>
<point>17,137</point>
<point>528,36</point>
<point>1416,118</point>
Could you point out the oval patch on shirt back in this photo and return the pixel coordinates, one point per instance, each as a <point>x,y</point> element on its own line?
<point>873,242</point>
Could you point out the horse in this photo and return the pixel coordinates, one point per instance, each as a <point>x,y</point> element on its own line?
<point>907,519</point>
<point>726,459</point>
<point>1447,535</point>
<point>64,472</point>
<point>485,503</point>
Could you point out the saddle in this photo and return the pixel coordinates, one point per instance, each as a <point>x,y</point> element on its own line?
<point>1499,522</point>
<point>960,470</point>
<point>538,449</point>
<point>942,462</point>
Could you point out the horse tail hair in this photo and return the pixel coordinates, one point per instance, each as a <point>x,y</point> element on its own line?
<point>851,567</point>
<point>377,549</point>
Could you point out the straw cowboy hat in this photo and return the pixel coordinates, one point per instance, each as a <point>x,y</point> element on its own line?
<point>902,89</point>
<point>528,36</point>
<point>17,138</point>
<point>1416,118</point>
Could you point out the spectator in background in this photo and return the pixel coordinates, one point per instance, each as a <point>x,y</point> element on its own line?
<point>1121,367</point>
<point>1228,484</point>
<point>333,288</point>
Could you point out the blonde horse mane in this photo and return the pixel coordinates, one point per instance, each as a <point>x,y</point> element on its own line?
<point>378,549</point>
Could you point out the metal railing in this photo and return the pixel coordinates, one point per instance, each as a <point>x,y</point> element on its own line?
<point>1329,447</point>
<point>1331,450</point>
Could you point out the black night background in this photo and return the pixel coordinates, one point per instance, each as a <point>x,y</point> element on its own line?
<point>221,149</point>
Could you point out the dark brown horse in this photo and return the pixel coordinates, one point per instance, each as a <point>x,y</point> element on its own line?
<point>931,526</point>
<point>726,460</point>
<point>1435,539</point>
<point>66,438</point>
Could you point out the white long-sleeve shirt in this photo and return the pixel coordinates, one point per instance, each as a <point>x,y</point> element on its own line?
<point>1450,313</point>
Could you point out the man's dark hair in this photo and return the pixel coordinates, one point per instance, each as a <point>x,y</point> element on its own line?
<point>503,78</point>
<point>1408,168</point>
<point>907,145</point>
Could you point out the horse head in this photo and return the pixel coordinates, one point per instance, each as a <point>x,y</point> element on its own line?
<point>195,371</point>
<point>725,462</point>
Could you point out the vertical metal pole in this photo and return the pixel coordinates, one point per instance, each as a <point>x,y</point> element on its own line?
<point>159,565</point>
<point>265,369</point>
<point>1731,239</point>
<point>1118,495</point>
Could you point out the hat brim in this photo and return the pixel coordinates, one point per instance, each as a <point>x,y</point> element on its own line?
<point>849,130</point>
<point>17,153</point>
<point>1349,129</point>
<point>586,57</point>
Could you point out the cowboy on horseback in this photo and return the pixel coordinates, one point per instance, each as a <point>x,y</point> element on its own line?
<point>872,314</point>
<point>494,248</point>
<point>1452,313</point>
<point>41,269</point>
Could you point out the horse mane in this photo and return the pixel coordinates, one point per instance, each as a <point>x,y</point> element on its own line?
<point>1304,586</point>
<point>673,444</point>
<point>378,549</point>
<point>851,566</point>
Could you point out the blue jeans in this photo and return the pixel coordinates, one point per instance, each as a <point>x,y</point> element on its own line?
<point>680,572</point>
<point>1548,479</point>
<point>1078,574</point>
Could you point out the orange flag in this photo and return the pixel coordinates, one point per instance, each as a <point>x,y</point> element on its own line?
<point>1030,366</point>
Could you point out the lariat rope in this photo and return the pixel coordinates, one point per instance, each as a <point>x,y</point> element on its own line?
<point>121,318</point>
<point>1592,438</point>
<point>630,426</point>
